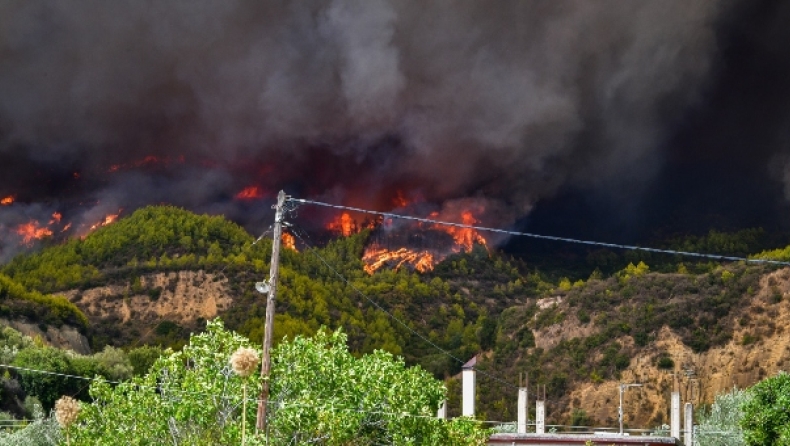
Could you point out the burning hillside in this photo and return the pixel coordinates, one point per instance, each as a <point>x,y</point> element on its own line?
<point>374,105</point>
<point>396,243</point>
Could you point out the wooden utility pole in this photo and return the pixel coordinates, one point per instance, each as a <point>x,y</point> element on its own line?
<point>274,272</point>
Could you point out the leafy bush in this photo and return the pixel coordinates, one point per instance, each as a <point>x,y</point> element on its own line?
<point>666,363</point>
<point>766,418</point>
<point>320,392</point>
<point>41,432</point>
<point>719,425</point>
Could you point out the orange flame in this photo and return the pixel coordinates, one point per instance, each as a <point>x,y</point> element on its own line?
<point>250,193</point>
<point>376,258</point>
<point>5,201</point>
<point>289,241</point>
<point>108,220</point>
<point>344,225</point>
<point>31,231</point>
<point>464,239</point>
<point>400,201</point>
<point>56,217</point>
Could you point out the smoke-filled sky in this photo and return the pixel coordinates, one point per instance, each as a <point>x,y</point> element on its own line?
<point>605,118</point>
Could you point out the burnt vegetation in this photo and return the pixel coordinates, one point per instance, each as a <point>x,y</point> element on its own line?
<point>477,302</point>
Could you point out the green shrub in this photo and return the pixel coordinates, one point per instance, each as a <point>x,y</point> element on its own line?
<point>766,418</point>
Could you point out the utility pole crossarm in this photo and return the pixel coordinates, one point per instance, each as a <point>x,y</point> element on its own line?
<point>270,299</point>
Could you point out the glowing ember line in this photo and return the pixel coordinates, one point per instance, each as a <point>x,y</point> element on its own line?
<point>376,258</point>
<point>108,219</point>
<point>5,201</point>
<point>464,240</point>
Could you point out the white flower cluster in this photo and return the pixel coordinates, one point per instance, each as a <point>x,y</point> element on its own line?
<point>244,361</point>
<point>66,410</point>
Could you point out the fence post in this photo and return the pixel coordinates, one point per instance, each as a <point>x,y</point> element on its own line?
<point>689,422</point>
<point>468,383</point>
<point>540,412</point>
<point>674,416</point>
<point>522,410</point>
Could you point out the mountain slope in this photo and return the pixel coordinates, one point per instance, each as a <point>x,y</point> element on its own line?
<point>159,274</point>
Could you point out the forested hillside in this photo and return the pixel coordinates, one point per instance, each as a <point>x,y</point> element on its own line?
<point>581,325</point>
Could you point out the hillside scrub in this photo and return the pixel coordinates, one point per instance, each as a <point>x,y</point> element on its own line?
<point>311,295</point>
<point>634,303</point>
<point>18,302</point>
<point>473,302</point>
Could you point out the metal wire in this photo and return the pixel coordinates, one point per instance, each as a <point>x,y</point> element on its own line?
<point>545,237</point>
<point>392,316</point>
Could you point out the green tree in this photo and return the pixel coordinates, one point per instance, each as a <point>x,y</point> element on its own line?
<point>766,414</point>
<point>47,387</point>
<point>320,393</point>
<point>142,358</point>
<point>719,425</point>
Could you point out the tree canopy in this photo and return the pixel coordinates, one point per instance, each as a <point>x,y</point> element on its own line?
<point>321,394</point>
<point>766,414</point>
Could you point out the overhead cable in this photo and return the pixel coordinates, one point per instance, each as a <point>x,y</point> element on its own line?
<point>393,317</point>
<point>545,237</point>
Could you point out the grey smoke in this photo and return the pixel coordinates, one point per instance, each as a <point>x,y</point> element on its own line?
<point>505,101</point>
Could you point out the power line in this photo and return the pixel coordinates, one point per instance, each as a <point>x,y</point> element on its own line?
<point>543,237</point>
<point>281,405</point>
<point>392,316</point>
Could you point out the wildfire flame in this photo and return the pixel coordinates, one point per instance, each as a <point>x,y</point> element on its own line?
<point>31,231</point>
<point>465,238</point>
<point>56,217</point>
<point>250,193</point>
<point>5,201</point>
<point>344,225</point>
<point>423,260</point>
<point>289,241</point>
<point>400,201</point>
<point>375,258</point>
<point>108,219</point>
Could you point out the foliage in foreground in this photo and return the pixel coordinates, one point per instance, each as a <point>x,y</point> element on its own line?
<point>719,425</point>
<point>321,394</point>
<point>766,415</point>
<point>41,432</point>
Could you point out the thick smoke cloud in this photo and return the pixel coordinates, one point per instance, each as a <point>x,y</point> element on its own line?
<point>348,100</point>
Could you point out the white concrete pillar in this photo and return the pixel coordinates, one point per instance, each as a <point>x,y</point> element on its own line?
<point>522,410</point>
<point>674,416</point>
<point>468,378</point>
<point>540,417</point>
<point>688,420</point>
<point>442,412</point>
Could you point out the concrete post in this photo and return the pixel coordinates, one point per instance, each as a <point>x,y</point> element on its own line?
<point>442,412</point>
<point>689,424</point>
<point>674,416</point>
<point>540,417</point>
<point>522,410</point>
<point>468,378</point>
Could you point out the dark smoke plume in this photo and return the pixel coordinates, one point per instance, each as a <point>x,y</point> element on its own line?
<point>353,101</point>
